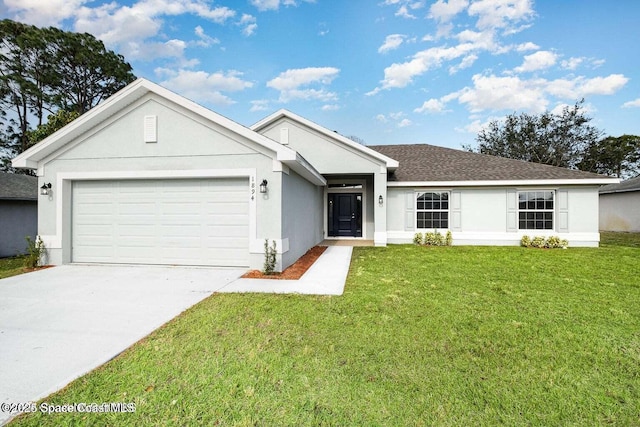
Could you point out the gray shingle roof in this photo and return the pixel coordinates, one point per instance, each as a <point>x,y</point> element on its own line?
<point>424,162</point>
<point>18,187</point>
<point>632,184</point>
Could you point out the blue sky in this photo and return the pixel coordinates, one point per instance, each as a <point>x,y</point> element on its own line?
<point>386,71</point>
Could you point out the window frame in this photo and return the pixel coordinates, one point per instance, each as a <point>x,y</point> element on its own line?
<point>440,210</point>
<point>536,214</point>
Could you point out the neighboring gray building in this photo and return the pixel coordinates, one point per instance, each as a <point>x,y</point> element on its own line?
<point>18,212</point>
<point>150,177</point>
<point>620,206</point>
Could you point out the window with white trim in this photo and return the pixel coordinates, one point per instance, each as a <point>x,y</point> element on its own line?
<point>535,210</point>
<point>432,210</point>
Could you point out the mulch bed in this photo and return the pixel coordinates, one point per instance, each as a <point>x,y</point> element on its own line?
<point>294,271</point>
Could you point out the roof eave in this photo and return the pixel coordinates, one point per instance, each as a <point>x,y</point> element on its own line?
<point>390,163</point>
<point>502,183</point>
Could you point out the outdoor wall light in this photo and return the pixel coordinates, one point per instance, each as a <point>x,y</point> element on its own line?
<point>263,186</point>
<point>380,200</point>
<point>45,190</point>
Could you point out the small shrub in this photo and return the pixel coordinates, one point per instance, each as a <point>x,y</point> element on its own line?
<point>269,257</point>
<point>433,239</point>
<point>35,252</point>
<point>555,242</point>
<point>418,238</point>
<point>538,242</point>
<point>551,242</point>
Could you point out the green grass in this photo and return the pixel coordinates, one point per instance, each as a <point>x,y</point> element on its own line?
<point>609,238</point>
<point>422,336</point>
<point>11,266</point>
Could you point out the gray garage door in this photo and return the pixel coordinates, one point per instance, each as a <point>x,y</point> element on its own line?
<point>177,221</point>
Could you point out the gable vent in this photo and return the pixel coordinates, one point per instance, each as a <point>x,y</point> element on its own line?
<point>284,136</point>
<point>150,128</point>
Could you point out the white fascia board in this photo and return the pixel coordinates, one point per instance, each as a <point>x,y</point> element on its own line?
<point>504,183</point>
<point>31,157</point>
<point>390,163</point>
<point>303,168</point>
<point>122,98</point>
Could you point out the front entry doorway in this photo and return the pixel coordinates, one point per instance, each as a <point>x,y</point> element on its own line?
<point>345,214</point>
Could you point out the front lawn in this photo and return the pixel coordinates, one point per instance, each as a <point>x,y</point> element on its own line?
<point>12,266</point>
<point>421,336</point>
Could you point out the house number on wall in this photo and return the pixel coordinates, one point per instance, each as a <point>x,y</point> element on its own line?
<point>253,188</point>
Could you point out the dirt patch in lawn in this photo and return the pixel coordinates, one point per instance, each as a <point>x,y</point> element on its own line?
<point>294,271</point>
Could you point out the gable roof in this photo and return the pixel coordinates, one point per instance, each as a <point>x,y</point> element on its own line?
<point>629,185</point>
<point>18,187</point>
<point>424,163</point>
<point>136,90</point>
<point>283,113</point>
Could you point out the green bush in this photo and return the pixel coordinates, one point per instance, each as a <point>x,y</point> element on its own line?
<point>433,239</point>
<point>551,242</point>
<point>525,241</point>
<point>418,239</point>
<point>35,252</point>
<point>269,257</point>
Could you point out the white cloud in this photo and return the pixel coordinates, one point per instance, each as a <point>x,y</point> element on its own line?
<point>43,13</point>
<point>127,27</point>
<point>404,123</point>
<point>259,105</point>
<point>511,93</point>
<point>400,75</point>
<point>632,104</point>
<point>523,47</point>
<point>290,83</point>
<point>381,118</point>
<point>403,12</point>
<point>205,40</point>
<point>580,87</point>
<point>391,42</point>
<point>263,5</point>
<point>249,23</point>
<point>201,86</point>
<point>466,62</point>
<point>493,14</point>
<point>444,11</point>
<point>431,106</point>
<point>571,63</point>
<point>330,107</point>
<point>537,61</point>
<point>502,93</point>
<point>404,6</point>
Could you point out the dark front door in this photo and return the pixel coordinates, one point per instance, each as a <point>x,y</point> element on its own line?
<point>345,214</point>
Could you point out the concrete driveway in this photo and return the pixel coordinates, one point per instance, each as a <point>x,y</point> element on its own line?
<point>59,323</point>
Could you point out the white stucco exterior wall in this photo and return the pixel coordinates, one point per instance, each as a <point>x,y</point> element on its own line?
<point>481,218</point>
<point>187,146</point>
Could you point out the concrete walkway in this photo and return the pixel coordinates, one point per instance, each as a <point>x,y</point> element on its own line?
<point>326,276</point>
<point>59,323</point>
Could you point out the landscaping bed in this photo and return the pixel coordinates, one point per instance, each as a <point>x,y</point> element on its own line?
<point>294,271</point>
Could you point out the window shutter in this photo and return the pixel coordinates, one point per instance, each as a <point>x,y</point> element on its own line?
<point>512,211</point>
<point>409,211</point>
<point>562,200</point>
<point>456,211</point>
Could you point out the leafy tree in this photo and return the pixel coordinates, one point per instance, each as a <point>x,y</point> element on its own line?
<point>618,156</point>
<point>43,70</point>
<point>548,138</point>
<point>54,122</point>
<point>88,72</point>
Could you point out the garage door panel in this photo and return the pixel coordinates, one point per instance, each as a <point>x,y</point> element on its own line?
<point>188,222</point>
